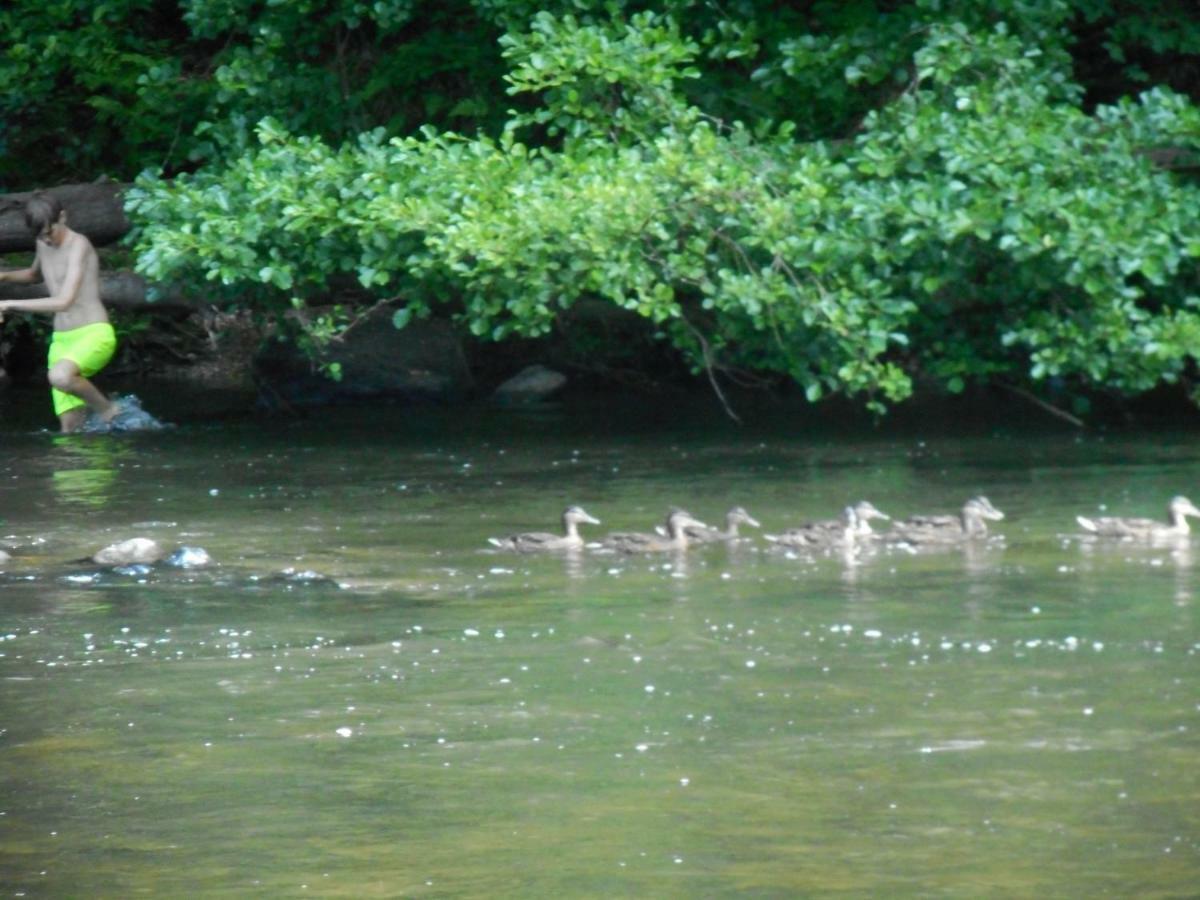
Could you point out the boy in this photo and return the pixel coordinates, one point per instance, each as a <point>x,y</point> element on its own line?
<point>83,341</point>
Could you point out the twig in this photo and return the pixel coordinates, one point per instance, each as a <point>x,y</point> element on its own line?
<point>709,370</point>
<point>1047,407</point>
<point>360,318</point>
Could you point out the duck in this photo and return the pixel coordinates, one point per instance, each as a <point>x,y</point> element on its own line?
<point>676,538</point>
<point>533,541</point>
<point>927,529</point>
<point>853,524</point>
<point>1178,509</point>
<point>708,535</point>
<point>821,533</point>
<point>864,512</point>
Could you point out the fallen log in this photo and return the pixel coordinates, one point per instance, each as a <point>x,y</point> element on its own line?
<point>96,210</point>
<point>118,290</point>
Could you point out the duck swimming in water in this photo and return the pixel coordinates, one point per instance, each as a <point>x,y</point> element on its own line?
<point>708,535</point>
<point>970,523</point>
<point>821,533</point>
<point>678,523</point>
<point>735,517</point>
<point>853,524</point>
<point>1144,529</point>
<point>533,541</point>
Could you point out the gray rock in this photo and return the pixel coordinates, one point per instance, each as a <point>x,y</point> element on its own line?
<point>422,361</point>
<point>143,551</point>
<point>530,384</point>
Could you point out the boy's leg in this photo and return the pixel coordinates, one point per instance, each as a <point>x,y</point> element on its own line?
<point>64,376</point>
<point>71,355</point>
<point>72,419</point>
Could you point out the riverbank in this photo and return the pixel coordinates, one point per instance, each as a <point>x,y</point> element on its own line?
<point>190,366</point>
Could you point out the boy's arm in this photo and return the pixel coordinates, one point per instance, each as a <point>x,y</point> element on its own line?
<point>67,293</point>
<point>23,276</point>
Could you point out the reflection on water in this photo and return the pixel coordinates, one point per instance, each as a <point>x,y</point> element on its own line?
<point>359,696</point>
<point>85,468</point>
<point>1176,549</point>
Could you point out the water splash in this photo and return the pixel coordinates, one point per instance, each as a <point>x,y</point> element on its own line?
<point>130,417</point>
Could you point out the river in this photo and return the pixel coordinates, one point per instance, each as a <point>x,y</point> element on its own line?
<point>360,697</point>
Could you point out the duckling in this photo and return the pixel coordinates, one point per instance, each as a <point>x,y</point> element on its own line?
<point>678,523</point>
<point>822,533</point>
<point>1115,526</point>
<point>853,524</point>
<point>864,512</point>
<point>708,535</point>
<point>970,523</point>
<point>532,541</point>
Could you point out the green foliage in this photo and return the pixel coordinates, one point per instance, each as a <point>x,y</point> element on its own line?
<point>123,85</point>
<point>855,196</point>
<point>594,81</point>
<point>74,77</point>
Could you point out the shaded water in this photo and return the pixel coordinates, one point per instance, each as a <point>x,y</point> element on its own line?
<point>357,698</point>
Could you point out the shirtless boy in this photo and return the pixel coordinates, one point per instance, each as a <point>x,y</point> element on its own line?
<point>83,341</point>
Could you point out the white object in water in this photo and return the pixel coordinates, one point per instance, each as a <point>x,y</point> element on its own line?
<point>135,550</point>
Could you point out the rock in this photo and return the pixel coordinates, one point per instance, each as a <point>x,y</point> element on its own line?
<point>189,558</point>
<point>531,384</point>
<point>422,361</point>
<point>4,557</point>
<point>133,551</point>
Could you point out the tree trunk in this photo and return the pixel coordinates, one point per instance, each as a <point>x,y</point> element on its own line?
<point>118,290</point>
<point>95,210</point>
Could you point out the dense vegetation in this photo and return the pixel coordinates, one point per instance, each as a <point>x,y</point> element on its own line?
<point>854,196</point>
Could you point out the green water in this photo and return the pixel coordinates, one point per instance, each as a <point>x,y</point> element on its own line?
<point>358,699</point>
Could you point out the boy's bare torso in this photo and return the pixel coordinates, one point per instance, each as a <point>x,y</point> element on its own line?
<point>56,262</point>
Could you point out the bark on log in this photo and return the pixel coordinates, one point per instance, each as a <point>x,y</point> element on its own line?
<point>118,290</point>
<point>92,209</point>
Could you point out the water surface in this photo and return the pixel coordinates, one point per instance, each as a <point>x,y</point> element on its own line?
<point>359,698</point>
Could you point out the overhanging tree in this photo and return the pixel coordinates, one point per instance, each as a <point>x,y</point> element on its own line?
<point>976,225</point>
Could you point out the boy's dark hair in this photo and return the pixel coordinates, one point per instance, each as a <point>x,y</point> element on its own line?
<point>41,211</point>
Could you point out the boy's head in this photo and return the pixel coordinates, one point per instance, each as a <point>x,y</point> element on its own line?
<point>42,213</point>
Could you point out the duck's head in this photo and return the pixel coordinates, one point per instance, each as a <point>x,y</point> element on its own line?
<point>738,515</point>
<point>679,519</point>
<point>578,516</point>
<point>981,507</point>
<point>864,511</point>
<point>1182,506</point>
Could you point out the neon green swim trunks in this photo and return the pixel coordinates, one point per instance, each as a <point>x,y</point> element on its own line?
<point>90,347</point>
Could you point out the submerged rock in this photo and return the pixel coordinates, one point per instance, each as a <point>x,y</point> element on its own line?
<point>189,558</point>
<point>137,550</point>
<point>137,570</point>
